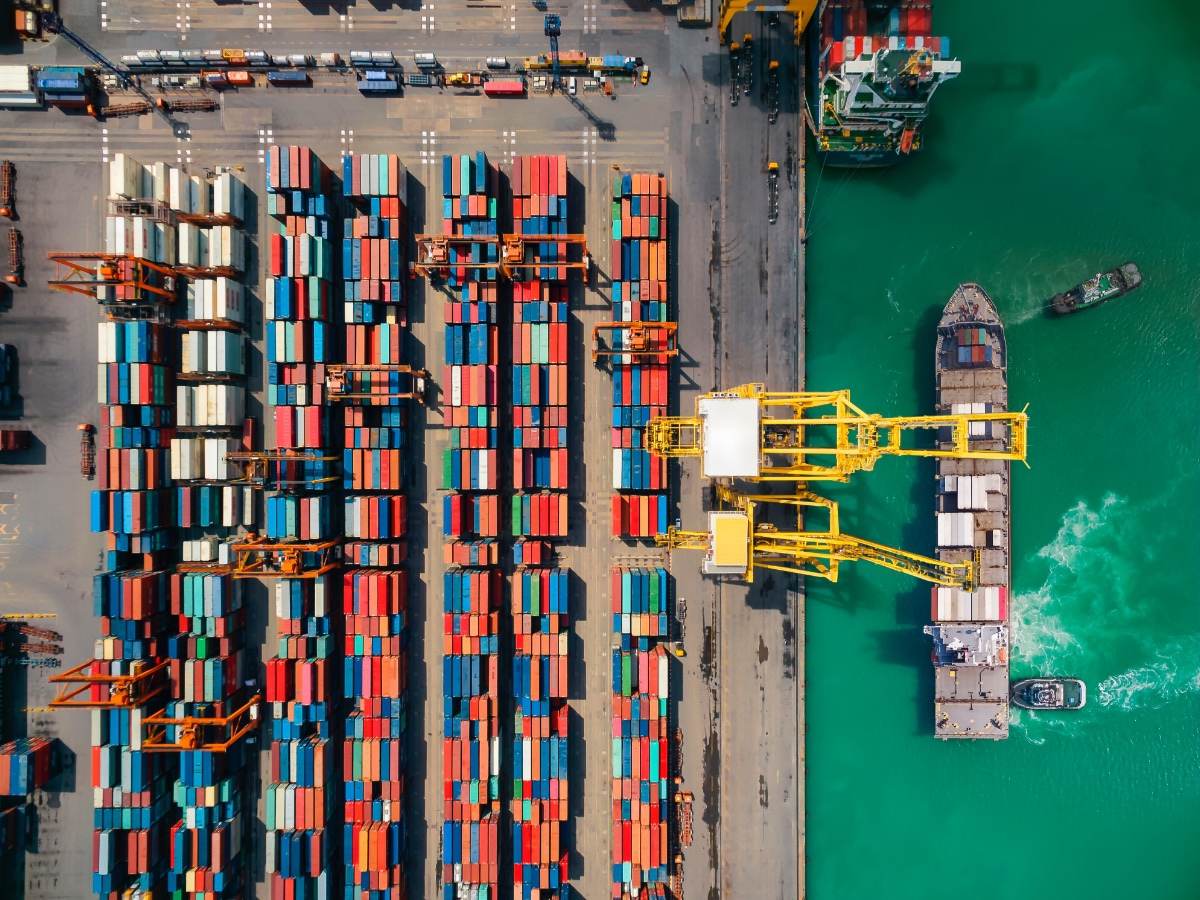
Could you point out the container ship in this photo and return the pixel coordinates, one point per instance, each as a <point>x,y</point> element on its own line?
<point>876,68</point>
<point>970,628</point>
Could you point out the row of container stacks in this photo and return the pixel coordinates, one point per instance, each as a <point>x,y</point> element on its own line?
<point>641,732</point>
<point>472,589</point>
<point>375,519</point>
<point>640,383</point>
<point>168,821</point>
<point>210,663</point>
<point>302,789</point>
<point>540,371</point>
<point>540,610</point>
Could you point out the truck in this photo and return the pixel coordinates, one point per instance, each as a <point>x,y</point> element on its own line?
<point>463,79</point>
<point>8,369</point>
<point>14,439</point>
<point>8,188</point>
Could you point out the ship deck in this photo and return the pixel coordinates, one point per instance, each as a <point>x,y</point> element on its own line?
<point>971,700</point>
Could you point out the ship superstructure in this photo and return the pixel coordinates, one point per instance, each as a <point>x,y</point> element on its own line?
<point>876,68</point>
<point>970,628</point>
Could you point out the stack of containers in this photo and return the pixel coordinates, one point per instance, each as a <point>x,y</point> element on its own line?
<point>469,468</point>
<point>130,597</point>
<point>471,739</point>
<point>209,668</point>
<point>300,795</point>
<point>374,588</point>
<point>472,588</point>
<point>148,613</point>
<point>539,351</point>
<point>299,798</point>
<point>640,383</point>
<point>140,232</point>
<point>299,287</point>
<point>133,506</point>
<point>374,273</point>
<point>24,766</point>
<point>640,733</point>
<point>210,398</point>
<point>539,801</point>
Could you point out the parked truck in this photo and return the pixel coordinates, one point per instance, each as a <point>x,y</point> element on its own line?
<point>8,189</point>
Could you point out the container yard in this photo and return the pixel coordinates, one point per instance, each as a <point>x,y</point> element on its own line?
<point>362,597</point>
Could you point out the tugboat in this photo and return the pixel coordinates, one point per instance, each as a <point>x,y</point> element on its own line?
<point>1049,693</point>
<point>1097,289</point>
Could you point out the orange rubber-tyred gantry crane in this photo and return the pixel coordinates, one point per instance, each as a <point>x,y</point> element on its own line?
<point>85,688</point>
<point>518,252</point>
<point>82,272</point>
<point>257,557</point>
<point>648,341</point>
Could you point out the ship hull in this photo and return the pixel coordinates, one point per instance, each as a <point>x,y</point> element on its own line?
<point>973,508</point>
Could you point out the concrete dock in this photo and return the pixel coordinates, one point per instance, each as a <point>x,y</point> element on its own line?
<point>738,289</point>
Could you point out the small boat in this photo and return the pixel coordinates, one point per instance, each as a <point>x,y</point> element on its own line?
<point>1097,289</point>
<point>1049,693</point>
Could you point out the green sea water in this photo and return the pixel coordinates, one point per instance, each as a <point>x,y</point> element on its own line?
<point>1068,144</point>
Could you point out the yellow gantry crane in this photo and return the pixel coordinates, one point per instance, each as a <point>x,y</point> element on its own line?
<point>751,433</point>
<point>737,543</point>
<point>802,9</point>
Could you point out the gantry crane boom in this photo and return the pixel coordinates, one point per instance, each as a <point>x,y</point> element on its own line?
<point>750,432</point>
<point>737,543</point>
<point>802,10</point>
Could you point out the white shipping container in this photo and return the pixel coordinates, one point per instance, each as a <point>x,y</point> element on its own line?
<point>956,529</point>
<point>177,192</point>
<point>198,195</point>
<point>160,181</point>
<point>228,197</point>
<point>126,177</point>
<point>188,246</point>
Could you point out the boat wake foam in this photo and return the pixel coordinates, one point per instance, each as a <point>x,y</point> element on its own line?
<point>1174,672</point>
<point>1094,605</point>
<point>1084,567</point>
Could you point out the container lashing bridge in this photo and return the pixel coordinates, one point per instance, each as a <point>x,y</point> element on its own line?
<point>737,543</point>
<point>750,433</point>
